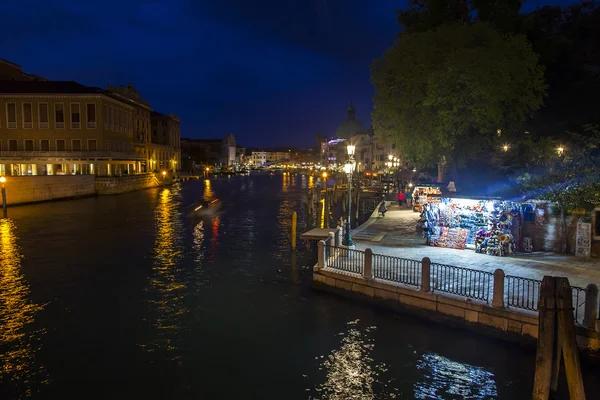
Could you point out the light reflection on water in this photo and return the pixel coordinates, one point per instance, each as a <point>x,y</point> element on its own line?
<point>18,342</point>
<point>447,379</point>
<point>166,289</point>
<point>350,369</point>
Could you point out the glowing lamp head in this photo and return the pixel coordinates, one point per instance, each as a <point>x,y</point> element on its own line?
<point>410,184</point>
<point>2,179</point>
<point>164,173</point>
<point>505,147</point>
<point>324,174</point>
<point>560,150</point>
<point>351,149</point>
<point>414,170</point>
<point>348,168</point>
<point>390,157</point>
<point>207,169</point>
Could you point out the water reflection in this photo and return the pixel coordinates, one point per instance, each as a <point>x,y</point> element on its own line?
<point>19,371</point>
<point>198,245</point>
<point>446,379</point>
<point>284,219</point>
<point>167,303</point>
<point>285,182</point>
<point>351,372</point>
<point>214,241</point>
<point>208,192</point>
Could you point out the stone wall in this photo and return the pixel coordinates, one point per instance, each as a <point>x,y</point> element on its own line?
<point>31,189</point>
<point>546,232</point>
<point>500,322</point>
<point>129,183</point>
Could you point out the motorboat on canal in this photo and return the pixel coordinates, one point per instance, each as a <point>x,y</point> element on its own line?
<point>205,208</point>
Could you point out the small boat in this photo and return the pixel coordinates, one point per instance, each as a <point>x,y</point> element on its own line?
<point>205,208</point>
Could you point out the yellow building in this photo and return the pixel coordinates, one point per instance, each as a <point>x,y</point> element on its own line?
<point>166,141</point>
<point>63,127</point>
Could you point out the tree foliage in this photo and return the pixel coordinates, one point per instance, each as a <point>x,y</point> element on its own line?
<point>424,15</point>
<point>567,172</point>
<point>446,91</point>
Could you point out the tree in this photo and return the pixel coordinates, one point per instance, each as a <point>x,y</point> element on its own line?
<point>445,92</point>
<point>424,15</point>
<point>567,174</point>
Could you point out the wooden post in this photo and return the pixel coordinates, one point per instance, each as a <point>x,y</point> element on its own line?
<point>294,220</point>
<point>425,274</point>
<point>498,298</point>
<point>591,306</point>
<point>545,344</point>
<point>368,268</point>
<point>570,352</point>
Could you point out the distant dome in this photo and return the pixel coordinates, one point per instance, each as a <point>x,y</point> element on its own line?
<point>350,126</point>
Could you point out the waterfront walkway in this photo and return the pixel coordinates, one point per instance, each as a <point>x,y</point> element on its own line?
<point>395,235</point>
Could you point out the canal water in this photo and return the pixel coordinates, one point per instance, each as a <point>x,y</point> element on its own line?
<point>128,297</point>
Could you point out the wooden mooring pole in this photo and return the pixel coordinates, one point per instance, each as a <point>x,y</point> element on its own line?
<point>294,220</point>
<point>556,341</point>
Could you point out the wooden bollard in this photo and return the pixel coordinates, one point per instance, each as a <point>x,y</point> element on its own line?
<point>498,295</point>
<point>546,339</point>
<point>570,351</point>
<point>294,220</point>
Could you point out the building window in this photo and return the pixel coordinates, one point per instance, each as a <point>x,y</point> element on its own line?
<point>111,118</point>
<point>105,116</point>
<point>12,145</point>
<point>118,120</point>
<point>44,145</point>
<point>59,115</point>
<point>92,145</point>
<point>43,115</point>
<point>91,115</point>
<point>60,145</point>
<point>11,115</point>
<point>27,116</point>
<point>75,116</point>
<point>76,144</point>
<point>28,145</point>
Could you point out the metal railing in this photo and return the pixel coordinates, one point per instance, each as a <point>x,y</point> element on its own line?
<point>72,154</point>
<point>342,259</point>
<point>522,292</point>
<point>460,281</point>
<point>396,269</point>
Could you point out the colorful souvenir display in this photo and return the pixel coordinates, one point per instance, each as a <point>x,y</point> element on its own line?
<point>491,226</point>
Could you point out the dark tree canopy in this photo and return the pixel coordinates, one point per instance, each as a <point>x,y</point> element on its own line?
<point>446,91</point>
<point>423,15</point>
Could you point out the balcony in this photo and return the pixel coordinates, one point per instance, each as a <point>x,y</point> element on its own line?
<point>70,155</point>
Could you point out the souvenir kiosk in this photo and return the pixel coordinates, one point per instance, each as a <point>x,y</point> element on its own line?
<point>489,226</point>
<point>425,194</point>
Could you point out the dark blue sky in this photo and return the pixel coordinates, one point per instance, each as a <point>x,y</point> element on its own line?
<point>270,72</point>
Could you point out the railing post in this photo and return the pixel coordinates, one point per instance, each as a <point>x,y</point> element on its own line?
<point>425,274</point>
<point>368,267</point>
<point>591,306</point>
<point>498,299</point>
<point>321,261</point>
<point>338,236</point>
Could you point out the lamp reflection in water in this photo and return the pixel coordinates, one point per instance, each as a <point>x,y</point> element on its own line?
<point>208,192</point>
<point>165,286</point>
<point>18,342</point>
<point>351,371</point>
<point>444,378</point>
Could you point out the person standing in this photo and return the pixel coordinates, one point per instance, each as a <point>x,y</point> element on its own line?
<point>408,197</point>
<point>400,198</point>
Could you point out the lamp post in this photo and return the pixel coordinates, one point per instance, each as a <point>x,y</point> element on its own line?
<point>348,169</point>
<point>4,211</point>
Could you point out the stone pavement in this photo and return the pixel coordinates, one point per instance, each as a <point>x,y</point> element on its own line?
<point>395,235</point>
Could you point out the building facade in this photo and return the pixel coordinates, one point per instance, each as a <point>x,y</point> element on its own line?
<point>64,128</point>
<point>261,158</point>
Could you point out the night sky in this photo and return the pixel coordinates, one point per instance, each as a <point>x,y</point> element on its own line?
<point>270,72</point>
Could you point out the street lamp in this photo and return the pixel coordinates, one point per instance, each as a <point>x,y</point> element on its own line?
<point>348,169</point>
<point>560,150</point>
<point>3,181</point>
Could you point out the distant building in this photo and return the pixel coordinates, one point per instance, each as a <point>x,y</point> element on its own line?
<point>166,140</point>
<point>63,127</point>
<point>371,154</point>
<point>205,152</point>
<point>263,157</point>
